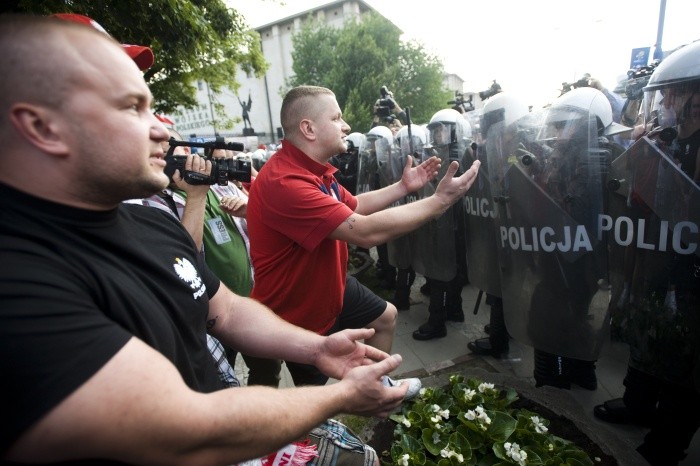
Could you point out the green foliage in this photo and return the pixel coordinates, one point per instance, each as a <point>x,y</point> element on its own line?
<point>356,60</point>
<point>191,39</point>
<point>470,423</point>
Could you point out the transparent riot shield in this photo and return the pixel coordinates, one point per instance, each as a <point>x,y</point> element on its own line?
<point>480,213</point>
<point>435,252</point>
<point>368,168</point>
<point>653,230</point>
<point>347,164</point>
<point>401,249</point>
<point>549,196</point>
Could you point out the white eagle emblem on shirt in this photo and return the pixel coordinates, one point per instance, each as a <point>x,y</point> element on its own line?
<point>187,272</point>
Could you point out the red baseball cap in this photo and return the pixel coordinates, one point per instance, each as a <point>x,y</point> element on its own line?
<point>143,56</point>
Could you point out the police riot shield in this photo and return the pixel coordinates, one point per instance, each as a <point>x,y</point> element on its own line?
<point>653,226</point>
<point>368,167</point>
<point>401,249</point>
<point>435,253</point>
<point>388,170</point>
<point>548,189</point>
<point>347,164</point>
<point>480,229</point>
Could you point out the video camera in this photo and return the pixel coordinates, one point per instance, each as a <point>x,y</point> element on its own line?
<point>585,81</point>
<point>222,170</point>
<point>385,104</point>
<point>491,91</point>
<point>638,78</point>
<point>460,104</point>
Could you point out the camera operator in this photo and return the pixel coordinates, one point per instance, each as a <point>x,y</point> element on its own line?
<point>227,253</point>
<point>387,112</point>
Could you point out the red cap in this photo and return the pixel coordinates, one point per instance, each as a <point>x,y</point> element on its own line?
<point>143,56</point>
<point>164,119</point>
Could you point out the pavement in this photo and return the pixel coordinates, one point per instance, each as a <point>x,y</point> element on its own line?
<point>425,358</point>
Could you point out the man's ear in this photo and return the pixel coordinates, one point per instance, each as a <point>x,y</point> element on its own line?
<point>306,128</point>
<point>38,126</point>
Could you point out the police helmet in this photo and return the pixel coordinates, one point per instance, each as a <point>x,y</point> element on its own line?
<point>448,126</point>
<point>419,138</point>
<point>503,107</point>
<point>667,95</point>
<point>585,101</point>
<point>356,139</point>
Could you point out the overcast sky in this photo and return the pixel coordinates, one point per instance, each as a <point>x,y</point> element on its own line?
<point>529,46</point>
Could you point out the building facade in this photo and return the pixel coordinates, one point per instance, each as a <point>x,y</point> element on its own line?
<point>266,93</point>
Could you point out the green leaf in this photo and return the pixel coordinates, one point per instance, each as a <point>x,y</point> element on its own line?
<point>502,425</point>
<point>429,443</point>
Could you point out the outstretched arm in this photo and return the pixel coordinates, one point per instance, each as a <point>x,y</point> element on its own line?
<point>412,179</point>
<point>379,227</point>
<point>137,409</point>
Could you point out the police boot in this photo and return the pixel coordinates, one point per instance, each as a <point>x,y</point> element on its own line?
<point>404,280</point>
<point>385,271</point>
<point>498,334</point>
<point>638,405</point>
<point>551,370</point>
<point>454,300</point>
<point>583,373</point>
<point>435,326</point>
<point>496,344</point>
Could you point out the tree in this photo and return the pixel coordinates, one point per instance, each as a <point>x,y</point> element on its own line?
<point>191,39</point>
<point>356,60</point>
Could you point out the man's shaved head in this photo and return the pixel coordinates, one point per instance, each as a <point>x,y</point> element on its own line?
<point>40,58</point>
<point>299,104</point>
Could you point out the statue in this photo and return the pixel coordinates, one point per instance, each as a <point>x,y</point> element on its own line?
<point>245,107</point>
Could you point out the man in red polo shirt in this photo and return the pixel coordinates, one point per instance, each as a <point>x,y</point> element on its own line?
<point>300,221</point>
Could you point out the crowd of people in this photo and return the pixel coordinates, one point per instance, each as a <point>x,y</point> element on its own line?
<point>129,291</point>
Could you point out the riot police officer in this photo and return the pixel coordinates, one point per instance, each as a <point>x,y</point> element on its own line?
<point>656,275</point>
<point>375,173</point>
<point>348,162</point>
<point>501,130</point>
<point>409,140</point>
<point>439,253</point>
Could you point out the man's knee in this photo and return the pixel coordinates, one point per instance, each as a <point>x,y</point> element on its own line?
<point>387,319</point>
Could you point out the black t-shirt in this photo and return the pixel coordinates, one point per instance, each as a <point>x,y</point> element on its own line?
<point>76,285</point>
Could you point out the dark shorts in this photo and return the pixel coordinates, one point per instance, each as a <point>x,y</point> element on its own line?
<point>360,307</point>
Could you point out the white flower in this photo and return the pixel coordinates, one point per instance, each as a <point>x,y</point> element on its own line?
<point>445,453</point>
<point>469,394</point>
<point>470,415</point>
<point>540,428</point>
<point>406,422</point>
<point>445,413</point>
<point>435,419</point>
<point>482,416</point>
<point>550,447</point>
<point>404,459</point>
<point>435,408</point>
<point>515,453</point>
<point>436,437</point>
<point>485,386</point>
<point>422,391</point>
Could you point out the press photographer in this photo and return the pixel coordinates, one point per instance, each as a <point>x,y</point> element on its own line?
<point>222,170</point>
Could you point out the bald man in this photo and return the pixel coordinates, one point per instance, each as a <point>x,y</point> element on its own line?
<point>104,306</point>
